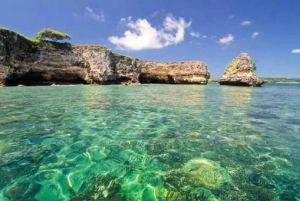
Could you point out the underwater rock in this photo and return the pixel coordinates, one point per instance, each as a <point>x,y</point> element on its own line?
<point>212,155</point>
<point>23,191</point>
<point>240,72</point>
<point>257,178</point>
<point>149,194</point>
<point>20,163</point>
<point>259,193</point>
<point>104,188</point>
<point>203,172</point>
<point>36,153</point>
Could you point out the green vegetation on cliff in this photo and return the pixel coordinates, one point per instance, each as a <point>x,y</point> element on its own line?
<point>52,34</point>
<point>281,79</point>
<point>232,66</point>
<point>39,39</point>
<point>214,79</point>
<point>236,64</point>
<point>5,32</point>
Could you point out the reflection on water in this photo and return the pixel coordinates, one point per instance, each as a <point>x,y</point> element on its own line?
<point>149,142</point>
<point>237,96</point>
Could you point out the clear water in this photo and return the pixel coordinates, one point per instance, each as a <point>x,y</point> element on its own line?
<point>150,142</point>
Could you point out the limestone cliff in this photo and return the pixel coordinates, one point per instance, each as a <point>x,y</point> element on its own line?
<point>240,72</point>
<point>28,62</point>
<point>191,72</point>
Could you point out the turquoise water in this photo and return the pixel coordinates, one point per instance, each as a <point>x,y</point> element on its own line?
<point>150,142</point>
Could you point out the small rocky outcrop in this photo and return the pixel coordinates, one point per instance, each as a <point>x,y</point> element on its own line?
<point>29,62</point>
<point>240,72</point>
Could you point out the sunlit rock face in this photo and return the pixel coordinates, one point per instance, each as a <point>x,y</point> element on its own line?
<point>28,62</point>
<point>240,72</point>
<point>189,72</point>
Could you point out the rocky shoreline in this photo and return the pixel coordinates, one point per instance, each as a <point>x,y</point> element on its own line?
<point>27,62</point>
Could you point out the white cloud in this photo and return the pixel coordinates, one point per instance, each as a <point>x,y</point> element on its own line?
<point>246,23</point>
<point>141,35</point>
<point>295,51</point>
<point>205,36</point>
<point>230,16</point>
<point>195,34</point>
<point>122,19</point>
<point>91,14</point>
<point>154,14</point>
<point>254,35</point>
<point>226,40</point>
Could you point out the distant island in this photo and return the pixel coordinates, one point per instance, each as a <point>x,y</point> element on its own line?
<point>266,79</point>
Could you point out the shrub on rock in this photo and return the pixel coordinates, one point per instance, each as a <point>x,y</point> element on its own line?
<point>52,34</point>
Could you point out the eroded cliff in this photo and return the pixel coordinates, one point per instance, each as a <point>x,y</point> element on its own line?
<point>29,62</point>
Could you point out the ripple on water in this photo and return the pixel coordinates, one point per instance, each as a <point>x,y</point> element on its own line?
<point>262,115</point>
<point>151,142</point>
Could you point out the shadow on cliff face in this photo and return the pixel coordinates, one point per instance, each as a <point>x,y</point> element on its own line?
<point>33,78</point>
<point>156,78</point>
<point>57,45</point>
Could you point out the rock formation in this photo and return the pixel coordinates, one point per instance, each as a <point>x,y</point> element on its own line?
<point>240,72</point>
<point>191,72</point>
<point>203,172</point>
<point>28,62</point>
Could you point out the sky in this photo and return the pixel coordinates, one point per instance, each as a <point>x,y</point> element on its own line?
<point>213,31</point>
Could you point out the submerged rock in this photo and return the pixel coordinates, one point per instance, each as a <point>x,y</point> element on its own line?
<point>103,188</point>
<point>240,72</point>
<point>206,173</point>
<point>23,191</point>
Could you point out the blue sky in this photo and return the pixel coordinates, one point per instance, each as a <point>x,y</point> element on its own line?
<point>214,31</point>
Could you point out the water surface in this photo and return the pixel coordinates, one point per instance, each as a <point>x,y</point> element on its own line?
<point>150,142</point>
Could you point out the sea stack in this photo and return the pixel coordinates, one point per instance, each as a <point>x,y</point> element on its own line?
<point>240,72</point>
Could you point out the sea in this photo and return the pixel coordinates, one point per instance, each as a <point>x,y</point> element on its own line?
<point>150,142</point>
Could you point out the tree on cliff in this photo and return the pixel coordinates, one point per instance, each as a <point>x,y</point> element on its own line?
<point>254,64</point>
<point>52,34</point>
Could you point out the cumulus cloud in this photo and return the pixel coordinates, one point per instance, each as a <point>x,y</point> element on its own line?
<point>226,40</point>
<point>296,51</point>
<point>141,35</point>
<point>246,23</point>
<point>91,14</point>
<point>195,34</point>
<point>254,35</point>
